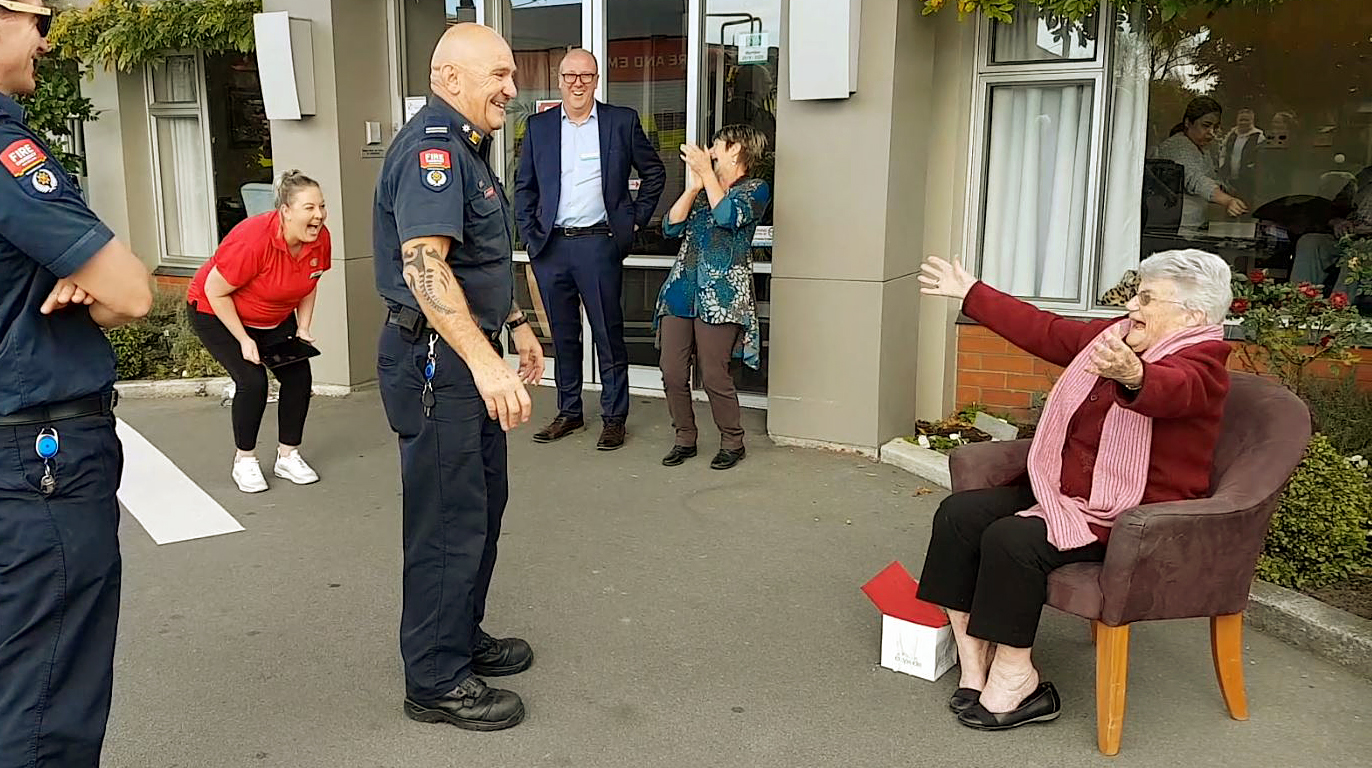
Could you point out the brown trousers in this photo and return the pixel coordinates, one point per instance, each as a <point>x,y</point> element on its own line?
<point>713,347</point>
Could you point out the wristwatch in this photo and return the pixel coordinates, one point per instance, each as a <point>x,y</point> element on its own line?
<point>513,324</point>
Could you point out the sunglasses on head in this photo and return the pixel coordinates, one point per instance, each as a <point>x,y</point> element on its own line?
<point>43,13</point>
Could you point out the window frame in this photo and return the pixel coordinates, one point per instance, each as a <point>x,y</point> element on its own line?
<point>164,110</point>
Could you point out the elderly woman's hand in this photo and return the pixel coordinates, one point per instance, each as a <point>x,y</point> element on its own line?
<point>941,278</point>
<point>697,159</point>
<point>1111,358</point>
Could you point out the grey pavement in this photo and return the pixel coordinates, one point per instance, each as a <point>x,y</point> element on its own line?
<point>680,617</point>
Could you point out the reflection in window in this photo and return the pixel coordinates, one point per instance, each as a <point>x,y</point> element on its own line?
<point>645,69</point>
<point>1036,36</point>
<point>425,21</point>
<point>1293,142</point>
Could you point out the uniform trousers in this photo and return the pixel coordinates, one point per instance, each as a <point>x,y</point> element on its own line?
<point>59,593</point>
<point>986,561</point>
<point>454,490</point>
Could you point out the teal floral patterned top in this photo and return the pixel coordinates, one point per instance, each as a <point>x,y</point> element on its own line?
<point>713,275</point>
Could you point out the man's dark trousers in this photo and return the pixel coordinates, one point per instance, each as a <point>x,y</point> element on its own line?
<point>59,593</point>
<point>454,488</point>
<point>577,270</point>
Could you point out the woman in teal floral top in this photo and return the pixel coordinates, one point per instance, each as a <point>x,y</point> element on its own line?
<point>706,307</point>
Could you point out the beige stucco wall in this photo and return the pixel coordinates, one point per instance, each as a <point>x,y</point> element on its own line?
<point>119,174</point>
<point>352,86</point>
<point>852,184</point>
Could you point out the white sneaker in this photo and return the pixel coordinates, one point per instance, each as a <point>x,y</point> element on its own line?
<point>248,474</point>
<point>292,467</point>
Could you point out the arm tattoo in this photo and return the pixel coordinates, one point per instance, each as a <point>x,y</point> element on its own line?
<point>429,277</point>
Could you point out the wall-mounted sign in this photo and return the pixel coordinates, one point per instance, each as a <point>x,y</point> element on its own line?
<point>752,47</point>
<point>412,105</point>
<point>762,237</point>
<point>373,153</point>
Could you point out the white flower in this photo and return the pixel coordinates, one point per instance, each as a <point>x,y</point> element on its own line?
<point>955,436</point>
<point>923,441</point>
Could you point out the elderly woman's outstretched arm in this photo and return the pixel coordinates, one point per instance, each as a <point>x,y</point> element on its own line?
<point>1040,333</point>
<point>1183,384</point>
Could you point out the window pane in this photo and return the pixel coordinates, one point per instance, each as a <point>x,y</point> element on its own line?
<point>742,87</point>
<point>1035,36</point>
<point>540,34</point>
<point>639,297</point>
<point>174,81</point>
<point>646,70</point>
<point>1270,108</point>
<point>526,299</point>
<point>185,189</point>
<point>1037,157</point>
<point>425,23</point>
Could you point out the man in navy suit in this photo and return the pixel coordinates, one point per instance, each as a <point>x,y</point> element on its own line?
<point>578,220</point>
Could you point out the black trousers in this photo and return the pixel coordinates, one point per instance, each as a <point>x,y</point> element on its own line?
<point>59,593</point>
<point>453,492</point>
<point>250,379</point>
<point>587,271</point>
<point>986,561</point>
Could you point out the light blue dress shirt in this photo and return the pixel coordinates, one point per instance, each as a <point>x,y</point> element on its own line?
<point>582,201</point>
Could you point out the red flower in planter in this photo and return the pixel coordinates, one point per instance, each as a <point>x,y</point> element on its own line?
<point>1309,291</point>
<point>1339,300</point>
<point>1239,307</point>
<point>1326,341</point>
<point>1257,276</point>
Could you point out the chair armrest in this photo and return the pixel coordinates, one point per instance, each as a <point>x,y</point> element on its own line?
<point>1183,559</point>
<point>988,465</point>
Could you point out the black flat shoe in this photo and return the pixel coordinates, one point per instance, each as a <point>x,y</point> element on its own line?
<point>678,455</point>
<point>726,459</point>
<point>1038,707</point>
<point>964,699</point>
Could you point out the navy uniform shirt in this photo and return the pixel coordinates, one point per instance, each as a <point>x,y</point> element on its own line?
<point>437,182</point>
<point>46,232</point>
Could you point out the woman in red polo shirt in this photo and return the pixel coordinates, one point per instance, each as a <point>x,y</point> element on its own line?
<point>258,290</point>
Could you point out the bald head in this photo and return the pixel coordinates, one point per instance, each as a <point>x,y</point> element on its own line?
<point>578,60</point>
<point>473,70</point>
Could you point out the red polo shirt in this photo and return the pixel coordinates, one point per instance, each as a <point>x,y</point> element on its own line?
<point>1183,392</point>
<point>271,282</point>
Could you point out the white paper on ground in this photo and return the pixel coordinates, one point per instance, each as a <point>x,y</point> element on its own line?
<point>167,503</point>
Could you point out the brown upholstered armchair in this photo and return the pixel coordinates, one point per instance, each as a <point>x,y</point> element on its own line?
<point>1174,560</point>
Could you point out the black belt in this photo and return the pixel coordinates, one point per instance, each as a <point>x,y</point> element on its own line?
<point>594,229</point>
<point>415,325</point>
<point>94,405</point>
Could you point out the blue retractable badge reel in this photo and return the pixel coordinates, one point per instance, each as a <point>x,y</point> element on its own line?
<point>47,444</point>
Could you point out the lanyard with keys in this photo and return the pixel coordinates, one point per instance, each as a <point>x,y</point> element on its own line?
<point>46,446</point>
<point>430,367</point>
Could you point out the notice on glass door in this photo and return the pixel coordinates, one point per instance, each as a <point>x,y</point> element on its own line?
<point>752,47</point>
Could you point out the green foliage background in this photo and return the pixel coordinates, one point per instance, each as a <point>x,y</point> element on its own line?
<point>126,34</point>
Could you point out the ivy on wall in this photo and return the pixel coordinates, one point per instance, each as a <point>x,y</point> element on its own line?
<point>54,106</point>
<point>127,34</point>
<point>1076,10</point>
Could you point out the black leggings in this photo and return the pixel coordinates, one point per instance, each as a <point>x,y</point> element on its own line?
<point>986,561</point>
<point>250,380</point>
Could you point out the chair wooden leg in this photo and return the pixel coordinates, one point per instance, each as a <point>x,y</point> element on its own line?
<point>1226,645</point>
<point>1112,672</point>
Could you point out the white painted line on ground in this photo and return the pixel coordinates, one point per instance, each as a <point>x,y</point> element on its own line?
<point>169,505</point>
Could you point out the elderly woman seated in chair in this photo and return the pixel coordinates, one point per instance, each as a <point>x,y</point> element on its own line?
<point>1133,419</point>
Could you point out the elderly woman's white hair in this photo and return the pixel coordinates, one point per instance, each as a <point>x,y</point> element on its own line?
<point>1202,279</point>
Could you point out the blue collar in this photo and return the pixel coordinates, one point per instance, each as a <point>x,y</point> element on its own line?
<point>10,108</point>
<point>471,135</point>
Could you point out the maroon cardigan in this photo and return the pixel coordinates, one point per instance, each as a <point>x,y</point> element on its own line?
<point>1184,394</point>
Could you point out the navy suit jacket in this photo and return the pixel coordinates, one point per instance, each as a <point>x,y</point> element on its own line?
<point>623,145</point>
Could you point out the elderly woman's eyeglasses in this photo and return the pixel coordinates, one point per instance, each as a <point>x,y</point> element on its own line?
<point>43,13</point>
<point>1146,298</point>
<point>570,78</point>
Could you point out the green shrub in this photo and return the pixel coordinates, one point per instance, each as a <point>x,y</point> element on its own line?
<point>1319,533</point>
<point>1342,412</point>
<point>162,345</point>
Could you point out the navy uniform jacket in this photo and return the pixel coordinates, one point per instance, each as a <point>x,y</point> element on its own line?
<point>46,232</point>
<point>437,182</point>
<point>538,187</point>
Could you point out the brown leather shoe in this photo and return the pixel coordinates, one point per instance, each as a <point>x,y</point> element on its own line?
<point>558,429</point>
<point>611,437</point>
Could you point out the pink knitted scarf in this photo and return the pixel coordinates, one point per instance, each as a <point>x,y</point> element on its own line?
<point>1121,470</point>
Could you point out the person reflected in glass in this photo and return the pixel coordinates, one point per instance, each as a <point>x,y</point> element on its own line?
<point>706,308</point>
<point>1239,154</point>
<point>1317,253</point>
<point>1189,146</point>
